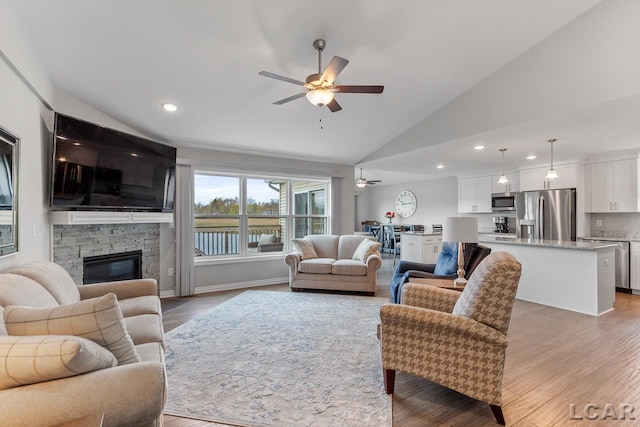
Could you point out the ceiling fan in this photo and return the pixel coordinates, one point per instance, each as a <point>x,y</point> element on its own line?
<point>320,86</point>
<point>361,182</point>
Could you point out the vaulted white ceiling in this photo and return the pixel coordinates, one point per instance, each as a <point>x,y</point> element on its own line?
<point>447,67</point>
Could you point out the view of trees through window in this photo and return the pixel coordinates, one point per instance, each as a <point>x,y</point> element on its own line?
<point>261,217</point>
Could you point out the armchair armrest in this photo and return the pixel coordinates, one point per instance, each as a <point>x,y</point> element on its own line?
<point>404,266</point>
<point>123,289</point>
<point>252,245</point>
<point>132,394</point>
<point>424,325</point>
<point>374,262</point>
<point>429,297</point>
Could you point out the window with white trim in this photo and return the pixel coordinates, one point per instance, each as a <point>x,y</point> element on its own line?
<point>242,215</point>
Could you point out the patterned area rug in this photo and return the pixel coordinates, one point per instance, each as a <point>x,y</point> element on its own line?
<point>280,359</point>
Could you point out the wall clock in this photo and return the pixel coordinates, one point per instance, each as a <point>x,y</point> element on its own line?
<point>406,203</point>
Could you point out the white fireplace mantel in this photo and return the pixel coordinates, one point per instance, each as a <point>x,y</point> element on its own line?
<point>98,217</point>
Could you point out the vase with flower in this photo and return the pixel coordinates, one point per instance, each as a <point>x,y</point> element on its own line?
<point>390,215</point>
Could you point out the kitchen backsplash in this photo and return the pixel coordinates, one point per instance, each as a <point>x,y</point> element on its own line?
<point>619,225</point>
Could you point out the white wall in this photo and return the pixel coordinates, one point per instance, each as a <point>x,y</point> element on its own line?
<point>22,113</point>
<point>437,199</point>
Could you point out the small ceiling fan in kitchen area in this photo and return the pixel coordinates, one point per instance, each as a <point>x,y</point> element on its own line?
<point>362,182</point>
<point>320,86</point>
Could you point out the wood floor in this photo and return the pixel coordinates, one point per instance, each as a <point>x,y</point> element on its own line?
<point>557,363</point>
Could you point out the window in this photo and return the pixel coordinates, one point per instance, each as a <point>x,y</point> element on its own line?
<point>247,215</point>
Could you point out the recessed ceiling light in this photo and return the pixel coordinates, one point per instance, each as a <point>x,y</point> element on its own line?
<point>169,107</point>
<point>479,147</point>
<point>531,157</point>
<point>440,166</point>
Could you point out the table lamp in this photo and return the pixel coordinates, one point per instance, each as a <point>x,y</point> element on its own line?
<point>463,230</point>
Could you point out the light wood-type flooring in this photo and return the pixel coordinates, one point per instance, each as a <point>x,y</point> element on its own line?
<point>561,368</point>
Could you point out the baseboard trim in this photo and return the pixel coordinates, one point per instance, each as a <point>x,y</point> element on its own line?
<point>229,286</point>
<point>241,285</point>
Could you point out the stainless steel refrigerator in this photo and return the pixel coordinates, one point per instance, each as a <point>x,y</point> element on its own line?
<point>547,214</point>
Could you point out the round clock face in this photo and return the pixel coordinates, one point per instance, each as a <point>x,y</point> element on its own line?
<point>406,203</point>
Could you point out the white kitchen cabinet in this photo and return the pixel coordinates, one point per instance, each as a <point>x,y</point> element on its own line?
<point>634,276</point>
<point>474,195</point>
<point>534,178</point>
<point>512,185</point>
<point>420,248</point>
<point>614,186</point>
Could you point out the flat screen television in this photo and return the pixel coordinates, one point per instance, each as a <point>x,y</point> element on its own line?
<point>97,168</point>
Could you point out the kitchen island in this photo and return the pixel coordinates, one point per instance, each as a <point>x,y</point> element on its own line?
<point>576,276</point>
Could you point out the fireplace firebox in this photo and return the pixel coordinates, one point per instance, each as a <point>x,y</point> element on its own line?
<point>112,267</point>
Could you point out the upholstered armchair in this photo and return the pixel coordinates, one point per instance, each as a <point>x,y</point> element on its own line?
<point>446,266</point>
<point>456,339</point>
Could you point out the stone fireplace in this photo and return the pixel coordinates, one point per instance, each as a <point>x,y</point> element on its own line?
<point>73,243</point>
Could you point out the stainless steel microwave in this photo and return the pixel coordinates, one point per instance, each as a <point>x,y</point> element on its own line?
<point>504,202</point>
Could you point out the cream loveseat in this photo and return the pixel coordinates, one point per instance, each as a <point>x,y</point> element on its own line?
<point>66,376</point>
<point>345,263</point>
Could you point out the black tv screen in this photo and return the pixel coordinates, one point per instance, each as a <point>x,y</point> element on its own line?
<point>100,168</point>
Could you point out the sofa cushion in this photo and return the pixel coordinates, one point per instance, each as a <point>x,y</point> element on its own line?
<point>316,265</point>
<point>53,278</point>
<point>365,248</point>
<point>34,359</point>
<point>265,239</point>
<point>144,328</point>
<point>304,248</point>
<point>98,319</point>
<point>348,244</point>
<point>349,267</point>
<point>146,304</point>
<point>20,290</point>
<point>325,245</point>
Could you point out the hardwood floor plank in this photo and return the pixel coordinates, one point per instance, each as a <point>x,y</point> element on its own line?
<point>555,357</point>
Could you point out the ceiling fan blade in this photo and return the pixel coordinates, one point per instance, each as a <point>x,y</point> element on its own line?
<point>279,77</point>
<point>373,181</point>
<point>334,106</point>
<point>291,98</point>
<point>334,68</point>
<point>359,89</point>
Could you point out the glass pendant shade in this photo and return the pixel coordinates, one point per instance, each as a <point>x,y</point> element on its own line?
<point>361,183</point>
<point>503,178</point>
<point>320,96</point>
<point>552,172</point>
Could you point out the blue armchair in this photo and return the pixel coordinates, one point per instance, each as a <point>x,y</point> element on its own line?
<point>446,266</point>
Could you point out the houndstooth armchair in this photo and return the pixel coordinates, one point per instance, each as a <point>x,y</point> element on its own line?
<point>455,339</point>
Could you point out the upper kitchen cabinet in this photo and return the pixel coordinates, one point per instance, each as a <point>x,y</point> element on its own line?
<point>512,185</point>
<point>474,194</point>
<point>534,178</point>
<point>614,186</point>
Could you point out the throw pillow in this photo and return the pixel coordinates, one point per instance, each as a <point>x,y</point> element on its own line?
<point>304,248</point>
<point>265,239</point>
<point>98,319</point>
<point>34,359</point>
<point>366,248</point>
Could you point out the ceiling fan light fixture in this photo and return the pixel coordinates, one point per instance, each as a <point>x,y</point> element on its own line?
<point>361,182</point>
<point>320,97</point>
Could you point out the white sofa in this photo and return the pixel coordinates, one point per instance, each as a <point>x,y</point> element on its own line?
<point>131,394</point>
<point>334,268</point>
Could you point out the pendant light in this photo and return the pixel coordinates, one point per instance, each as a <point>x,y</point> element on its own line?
<point>503,178</point>
<point>552,172</point>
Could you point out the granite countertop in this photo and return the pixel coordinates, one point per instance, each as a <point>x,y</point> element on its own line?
<point>591,246</point>
<point>623,237</point>
<point>421,233</point>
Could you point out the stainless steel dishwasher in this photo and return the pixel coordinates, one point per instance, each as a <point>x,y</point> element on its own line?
<point>623,259</point>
